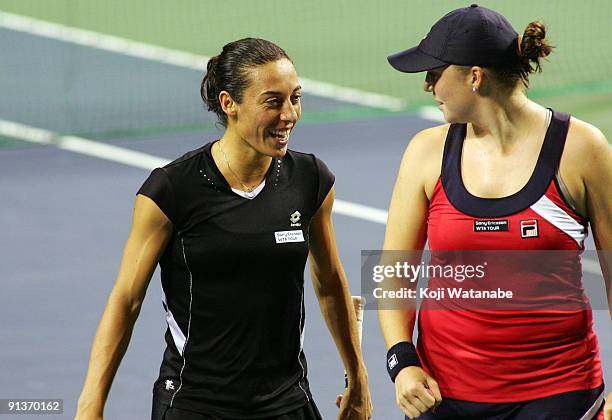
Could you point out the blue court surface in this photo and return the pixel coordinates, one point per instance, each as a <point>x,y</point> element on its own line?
<point>66,214</point>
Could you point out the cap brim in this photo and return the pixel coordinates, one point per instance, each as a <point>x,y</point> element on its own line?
<point>414,60</point>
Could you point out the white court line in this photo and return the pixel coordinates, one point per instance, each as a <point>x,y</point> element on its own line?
<point>591,266</point>
<point>150,162</point>
<point>81,145</point>
<point>179,58</point>
<point>431,113</point>
<point>359,211</point>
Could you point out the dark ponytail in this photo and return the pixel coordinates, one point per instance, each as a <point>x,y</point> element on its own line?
<point>209,87</point>
<point>532,47</point>
<point>229,70</point>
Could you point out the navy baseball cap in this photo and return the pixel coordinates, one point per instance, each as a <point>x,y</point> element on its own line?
<point>470,36</point>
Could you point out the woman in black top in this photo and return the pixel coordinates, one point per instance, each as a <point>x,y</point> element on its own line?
<point>231,225</point>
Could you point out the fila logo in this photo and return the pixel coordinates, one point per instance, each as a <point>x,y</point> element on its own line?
<point>392,361</point>
<point>295,218</point>
<point>169,385</point>
<point>529,228</point>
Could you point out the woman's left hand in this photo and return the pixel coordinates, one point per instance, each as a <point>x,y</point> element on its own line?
<point>356,403</point>
<point>608,407</point>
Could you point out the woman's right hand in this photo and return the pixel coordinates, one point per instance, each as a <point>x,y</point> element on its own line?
<point>84,414</point>
<point>416,391</point>
<point>88,409</point>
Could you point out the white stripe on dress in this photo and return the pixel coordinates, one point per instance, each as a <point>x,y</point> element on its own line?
<point>175,330</point>
<point>188,324</point>
<point>302,345</point>
<point>592,412</point>
<point>557,217</point>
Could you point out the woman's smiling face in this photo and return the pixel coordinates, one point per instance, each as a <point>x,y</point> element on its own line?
<point>270,108</point>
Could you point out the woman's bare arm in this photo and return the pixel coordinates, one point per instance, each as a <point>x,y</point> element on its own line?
<point>147,240</point>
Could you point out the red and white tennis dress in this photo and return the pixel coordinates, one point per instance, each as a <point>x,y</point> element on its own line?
<point>508,356</point>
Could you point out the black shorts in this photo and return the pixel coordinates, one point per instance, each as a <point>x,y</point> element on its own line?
<point>573,405</point>
<point>162,411</point>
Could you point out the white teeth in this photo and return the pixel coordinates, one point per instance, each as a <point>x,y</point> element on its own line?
<point>282,134</point>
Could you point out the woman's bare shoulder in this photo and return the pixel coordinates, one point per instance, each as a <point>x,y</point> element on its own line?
<point>584,142</point>
<point>427,146</point>
<point>424,155</point>
<point>430,139</point>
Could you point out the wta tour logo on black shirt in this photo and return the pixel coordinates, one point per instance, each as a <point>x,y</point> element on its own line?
<point>491,225</point>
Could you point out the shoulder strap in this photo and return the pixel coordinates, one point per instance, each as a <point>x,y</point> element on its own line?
<point>451,159</point>
<point>553,145</point>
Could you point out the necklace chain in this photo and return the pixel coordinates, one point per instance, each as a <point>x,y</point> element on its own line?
<point>244,186</point>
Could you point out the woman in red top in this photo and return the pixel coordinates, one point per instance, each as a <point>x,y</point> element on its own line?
<point>539,177</point>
